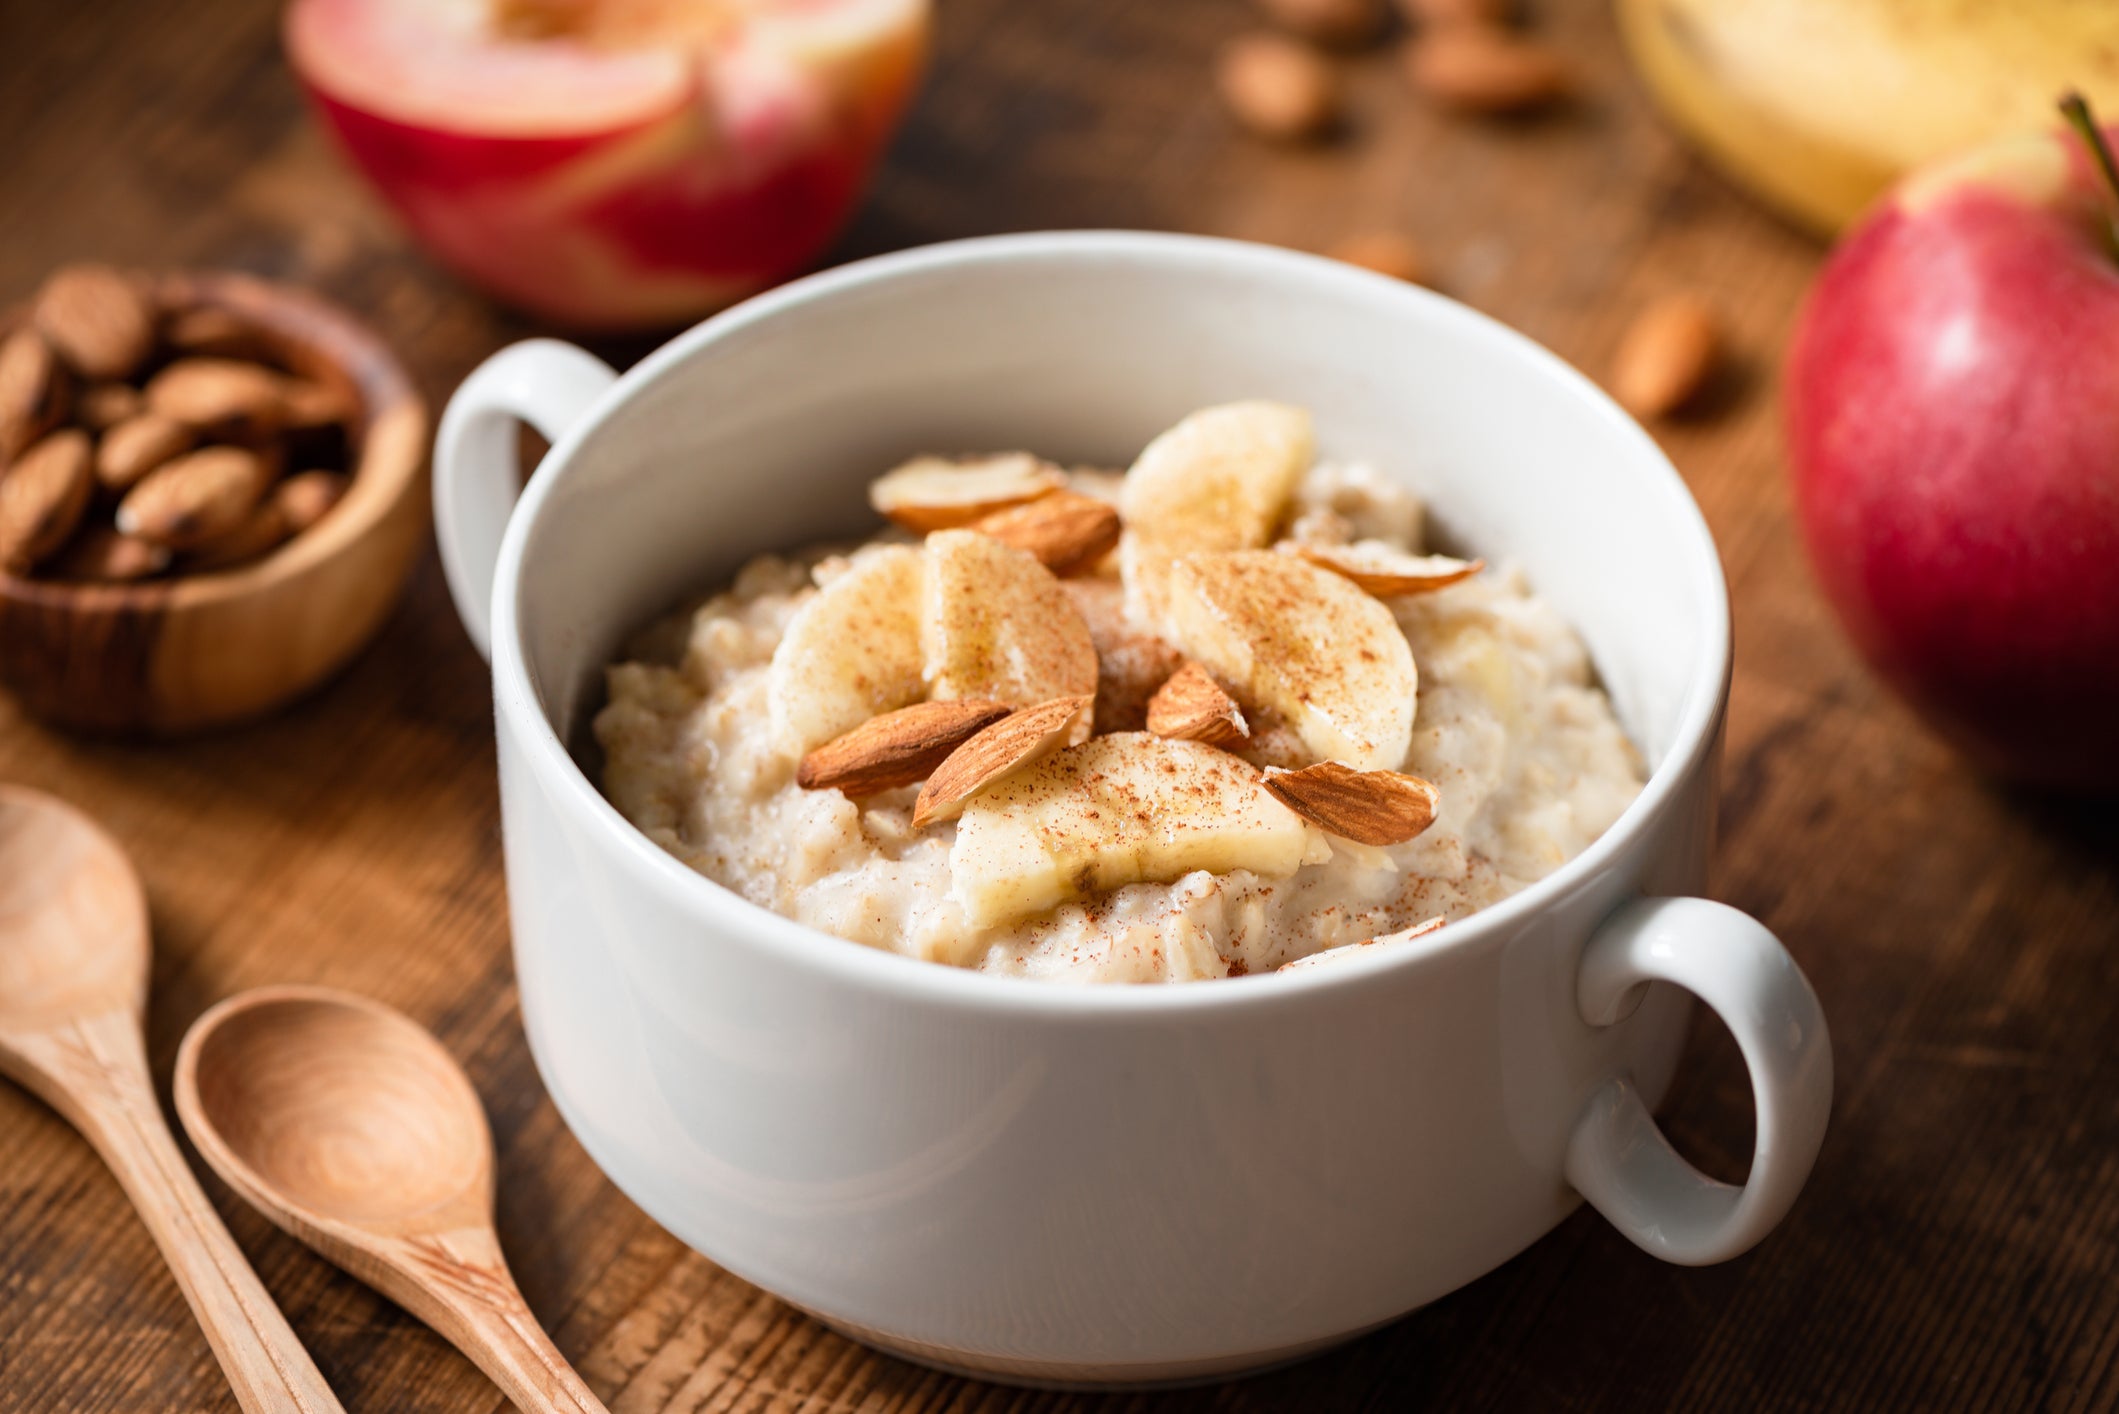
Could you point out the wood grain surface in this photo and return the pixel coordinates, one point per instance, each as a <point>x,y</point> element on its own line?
<point>1959,1243</point>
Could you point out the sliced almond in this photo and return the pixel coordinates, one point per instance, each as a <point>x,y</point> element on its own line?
<point>220,396</point>
<point>1367,807</point>
<point>43,497</point>
<point>103,406</point>
<point>1667,355</point>
<point>133,448</point>
<point>195,499</point>
<point>30,391</point>
<point>253,537</point>
<point>935,493</point>
<point>1016,741</point>
<point>97,319</point>
<point>1192,707</point>
<point>897,748</point>
<point>1066,530</point>
<point>1387,572</point>
<point>1347,951</point>
<point>307,497</point>
<point>101,555</point>
<point>1478,68</point>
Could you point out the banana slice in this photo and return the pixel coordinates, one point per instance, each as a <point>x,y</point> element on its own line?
<point>1303,642</point>
<point>997,624</point>
<point>851,653</point>
<point>1221,479</point>
<point>1121,809</point>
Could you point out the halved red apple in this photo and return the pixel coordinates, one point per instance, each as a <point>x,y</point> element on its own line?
<point>615,163</point>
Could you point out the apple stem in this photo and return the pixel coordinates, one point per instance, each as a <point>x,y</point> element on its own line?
<point>2076,109</point>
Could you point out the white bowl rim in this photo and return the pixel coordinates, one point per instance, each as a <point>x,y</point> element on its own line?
<point>730,917</point>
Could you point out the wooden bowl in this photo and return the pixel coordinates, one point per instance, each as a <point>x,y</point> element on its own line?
<point>175,655</point>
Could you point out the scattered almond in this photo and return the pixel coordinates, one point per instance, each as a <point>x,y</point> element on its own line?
<point>132,449</point>
<point>212,331</point>
<point>1016,741</point>
<point>935,493</point>
<point>103,406</point>
<point>1278,88</point>
<point>1387,572</point>
<point>253,537</point>
<point>1347,951</point>
<point>1666,356</point>
<point>100,554</point>
<point>1066,530</point>
<point>897,748</point>
<point>1367,807</point>
<point>30,391</point>
<point>1458,12</point>
<point>1485,69</point>
<point>220,396</point>
<point>194,499</point>
<point>43,497</point>
<point>1339,24</point>
<point>1191,706</point>
<point>1386,253</point>
<point>97,319</point>
<point>309,496</point>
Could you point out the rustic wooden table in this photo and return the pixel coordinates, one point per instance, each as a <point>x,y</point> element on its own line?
<point>1959,1242</point>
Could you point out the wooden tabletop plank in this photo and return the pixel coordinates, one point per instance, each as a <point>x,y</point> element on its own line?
<point>1959,1244</point>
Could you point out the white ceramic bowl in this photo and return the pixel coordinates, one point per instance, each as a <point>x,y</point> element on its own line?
<point>1127,1184</point>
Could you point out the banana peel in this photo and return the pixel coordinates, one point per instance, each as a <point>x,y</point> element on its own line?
<point>1816,106</point>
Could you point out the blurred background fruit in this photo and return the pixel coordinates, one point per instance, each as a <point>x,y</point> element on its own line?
<point>615,163</point>
<point>1817,105</point>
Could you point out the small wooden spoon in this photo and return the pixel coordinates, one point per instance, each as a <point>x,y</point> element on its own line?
<point>73,992</point>
<point>348,1125</point>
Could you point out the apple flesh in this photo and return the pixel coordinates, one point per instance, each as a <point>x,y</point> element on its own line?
<point>1952,416</point>
<point>614,163</point>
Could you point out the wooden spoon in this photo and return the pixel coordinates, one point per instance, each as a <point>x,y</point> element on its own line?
<point>348,1125</point>
<point>73,993</point>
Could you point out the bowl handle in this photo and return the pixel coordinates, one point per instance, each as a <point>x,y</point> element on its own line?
<point>543,382</point>
<point>1618,1158</point>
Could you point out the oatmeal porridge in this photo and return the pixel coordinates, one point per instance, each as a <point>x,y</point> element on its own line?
<point>1215,716</point>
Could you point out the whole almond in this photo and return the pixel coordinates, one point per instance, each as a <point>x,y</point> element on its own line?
<point>1386,253</point>
<point>1066,530</point>
<point>308,497</point>
<point>220,396</point>
<point>213,331</point>
<point>1340,24</point>
<point>1368,807</point>
<point>132,449</point>
<point>897,748</point>
<point>97,319</point>
<point>256,535</point>
<point>1458,12</point>
<point>1191,706</point>
<point>1016,741</point>
<point>1666,356</point>
<point>30,391</point>
<point>43,497</point>
<point>1278,88</point>
<point>1484,69</point>
<point>312,403</point>
<point>103,406</point>
<point>194,499</point>
<point>100,555</point>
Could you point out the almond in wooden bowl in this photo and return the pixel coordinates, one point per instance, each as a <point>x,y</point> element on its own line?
<point>113,633</point>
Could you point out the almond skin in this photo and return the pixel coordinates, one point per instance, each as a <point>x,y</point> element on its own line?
<point>1191,706</point>
<point>43,497</point>
<point>100,555</point>
<point>103,406</point>
<point>1667,355</point>
<point>897,748</point>
<point>253,537</point>
<point>1386,253</point>
<point>132,449</point>
<point>220,396</point>
<point>195,499</point>
<point>1367,807</point>
<point>309,496</point>
<point>1336,24</point>
<point>1067,531</point>
<point>97,319</point>
<point>1476,68</point>
<point>1016,741</point>
<point>31,392</point>
<point>1279,89</point>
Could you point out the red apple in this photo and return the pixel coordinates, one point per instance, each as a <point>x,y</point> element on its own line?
<point>615,163</point>
<point>1952,404</point>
